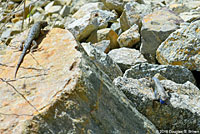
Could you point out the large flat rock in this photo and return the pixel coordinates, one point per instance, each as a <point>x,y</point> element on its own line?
<point>70,90</point>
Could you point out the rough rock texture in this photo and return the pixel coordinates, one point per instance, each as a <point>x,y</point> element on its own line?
<point>52,8</point>
<point>126,57</point>
<point>84,26</point>
<point>179,8</point>
<point>190,16</point>
<point>116,27</point>
<point>130,37</point>
<point>182,111</point>
<point>103,46</point>
<point>76,4</point>
<point>182,47</point>
<point>87,8</point>
<point>108,34</point>
<point>133,14</point>
<point>114,5</point>
<point>73,95</point>
<point>178,74</point>
<point>156,27</point>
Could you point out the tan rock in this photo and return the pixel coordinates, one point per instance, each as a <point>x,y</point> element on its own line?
<point>108,34</point>
<point>130,37</point>
<point>39,78</point>
<point>70,96</point>
<point>86,8</point>
<point>16,19</point>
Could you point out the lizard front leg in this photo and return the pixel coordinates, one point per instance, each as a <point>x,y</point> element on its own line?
<point>34,47</point>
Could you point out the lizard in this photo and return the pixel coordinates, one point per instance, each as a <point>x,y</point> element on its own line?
<point>32,35</point>
<point>159,91</point>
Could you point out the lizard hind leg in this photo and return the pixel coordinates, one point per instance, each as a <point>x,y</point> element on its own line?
<point>21,46</point>
<point>34,47</point>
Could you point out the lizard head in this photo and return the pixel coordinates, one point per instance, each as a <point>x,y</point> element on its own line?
<point>43,24</point>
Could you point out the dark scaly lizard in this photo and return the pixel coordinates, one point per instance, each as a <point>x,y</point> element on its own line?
<point>32,35</point>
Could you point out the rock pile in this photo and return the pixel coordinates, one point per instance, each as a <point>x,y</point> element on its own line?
<point>92,72</point>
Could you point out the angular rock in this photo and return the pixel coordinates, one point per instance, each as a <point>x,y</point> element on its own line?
<point>70,90</point>
<point>182,111</point>
<point>126,57</point>
<point>133,14</point>
<point>92,37</point>
<point>156,27</point>
<point>130,37</point>
<point>108,34</point>
<point>103,46</point>
<point>116,27</point>
<point>182,48</point>
<point>114,5</point>
<point>178,8</point>
<point>64,11</point>
<point>53,9</point>
<point>84,26</point>
<point>87,8</point>
<point>190,16</point>
<point>76,4</point>
<point>178,74</point>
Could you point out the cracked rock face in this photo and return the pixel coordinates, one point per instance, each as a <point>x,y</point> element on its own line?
<point>181,112</point>
<point>177,74</point>
<point>182,47</point>
<point>72,91</point>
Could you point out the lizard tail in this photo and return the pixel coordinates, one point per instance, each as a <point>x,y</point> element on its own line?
<point>20,62</point>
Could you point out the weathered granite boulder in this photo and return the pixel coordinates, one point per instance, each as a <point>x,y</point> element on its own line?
<point>86,8</point>
<point>182,48</point>
<point>182,111</point>
<point>156,27</point>
<point>69,91</point>
<point>133,14</point>
<point>126,57</point>
<point>178,74</point>
<point>84,26</point>
<point>130,37</point>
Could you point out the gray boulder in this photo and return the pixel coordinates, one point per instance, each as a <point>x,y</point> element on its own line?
<point>180,112</point>
<point>156,27</point>
<point>133,14</point>
<point>178,74</point>
<point>126,57</point>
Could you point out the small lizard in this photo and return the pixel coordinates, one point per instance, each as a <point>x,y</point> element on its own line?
<point>32,35</point>
<point>159,91</point>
